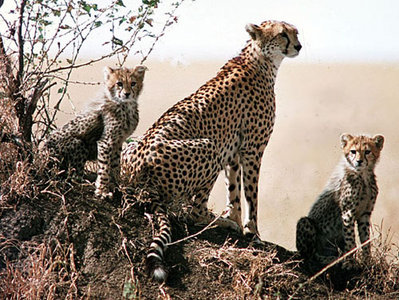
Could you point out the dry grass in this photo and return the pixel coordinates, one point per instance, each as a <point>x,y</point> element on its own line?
<point>45,271</point>
<point>252,273</point>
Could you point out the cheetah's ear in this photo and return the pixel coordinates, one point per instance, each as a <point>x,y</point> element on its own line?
<point>107,72</point>
<point>379,141</point>
<point>139,72</point>
<point>345,139</point>
<point>254,31</point>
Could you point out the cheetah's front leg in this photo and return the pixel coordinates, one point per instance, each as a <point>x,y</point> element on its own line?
<point>233,186</point>
<point>348,202</point>
<point>363,225</point>
<point>109,148</point>
<point>349,235</point>
<point>250,167</point>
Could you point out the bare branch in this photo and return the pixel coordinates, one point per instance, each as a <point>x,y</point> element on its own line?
<point>20,44</point>
<point>6,80</point>
<point>172,18</point>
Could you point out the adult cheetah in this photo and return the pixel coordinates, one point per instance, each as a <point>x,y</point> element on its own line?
<point>100,132</point>
<point>348,198</point>
<point>225,125</point>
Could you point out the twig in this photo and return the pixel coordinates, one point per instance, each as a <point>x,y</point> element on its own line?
<point>124,240</point>
<point>92,61</point>
<point>167,23</point>
<point>199,232</point>
<point>74,81</point>
<point>20,44</point>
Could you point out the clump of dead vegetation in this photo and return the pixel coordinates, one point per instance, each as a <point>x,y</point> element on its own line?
<point>45,272</point>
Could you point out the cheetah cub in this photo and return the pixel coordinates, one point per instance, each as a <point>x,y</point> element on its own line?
<point>100,132</point>
<point>348,198</point>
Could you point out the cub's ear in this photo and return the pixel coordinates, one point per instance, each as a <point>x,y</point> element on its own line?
<point>345,139</point>
<point>254,31</point>
<point>139,72</point>
<point>107,72</point>
<point>379,141</point>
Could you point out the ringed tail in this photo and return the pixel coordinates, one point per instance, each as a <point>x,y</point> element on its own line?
<point>155,258</point>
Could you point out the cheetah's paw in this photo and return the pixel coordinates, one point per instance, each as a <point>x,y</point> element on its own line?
<point>227,223</point>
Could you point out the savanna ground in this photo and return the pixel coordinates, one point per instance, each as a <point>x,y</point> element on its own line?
<point>62,243</point>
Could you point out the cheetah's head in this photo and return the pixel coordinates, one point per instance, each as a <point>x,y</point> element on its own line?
<point>275,39</point>
<point>361,152</point>
<point>124,84</point>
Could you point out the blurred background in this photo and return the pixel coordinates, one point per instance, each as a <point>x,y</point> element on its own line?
<point>346,79</point>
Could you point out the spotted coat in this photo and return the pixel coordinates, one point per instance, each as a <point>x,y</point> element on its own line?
<point>348,199</point>
<point>225,125</point>
<point>98,134</point>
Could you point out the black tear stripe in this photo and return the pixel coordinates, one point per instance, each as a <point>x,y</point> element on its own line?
<point>288,44</point>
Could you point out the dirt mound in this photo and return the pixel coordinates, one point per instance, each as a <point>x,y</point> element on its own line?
<point>64,243</point>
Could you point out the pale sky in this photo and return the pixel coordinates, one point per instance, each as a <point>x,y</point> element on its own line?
<point>348,30</point>
<point>330,31</point>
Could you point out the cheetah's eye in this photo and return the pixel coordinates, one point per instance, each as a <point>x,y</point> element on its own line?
<point>284,35</point>
<point>133,84</point>
<point>120,84</point>
<point>353,151</point>
<point>367,152</point>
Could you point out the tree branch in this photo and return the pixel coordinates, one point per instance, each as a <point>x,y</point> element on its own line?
<point>20,45</point>
<point>6,76</point>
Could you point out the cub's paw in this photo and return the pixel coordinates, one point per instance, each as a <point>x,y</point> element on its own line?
<point>351,265</point>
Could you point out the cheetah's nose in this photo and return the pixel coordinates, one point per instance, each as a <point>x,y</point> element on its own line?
<point>359,162</point>
<point>298,47</point>
<point>127,95</point>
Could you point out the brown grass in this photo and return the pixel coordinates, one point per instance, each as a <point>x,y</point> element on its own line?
<point>42,275</point>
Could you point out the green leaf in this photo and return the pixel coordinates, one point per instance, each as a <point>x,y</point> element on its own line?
<point>122,20</point>
<point>129,290</point>
<point>86,7</point>
<point>61,90</point>
<point>120,3</point>
<point>117,41</point>
<point>152,3</point>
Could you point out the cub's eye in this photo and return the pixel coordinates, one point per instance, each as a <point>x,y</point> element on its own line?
<point>133,84</point>
<point>120,84</point>
<point>367,152</point>
<point>353,151</point>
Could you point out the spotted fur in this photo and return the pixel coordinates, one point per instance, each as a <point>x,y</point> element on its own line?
<point>225,125</point>
<point>349,198</point>
<point>100,132</point>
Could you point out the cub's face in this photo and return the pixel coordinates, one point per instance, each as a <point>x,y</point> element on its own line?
<point>124,84</point>
<point>275,38</point>
<point>362,152</point>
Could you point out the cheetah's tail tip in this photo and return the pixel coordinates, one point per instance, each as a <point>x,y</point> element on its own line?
<point>156,270</point>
